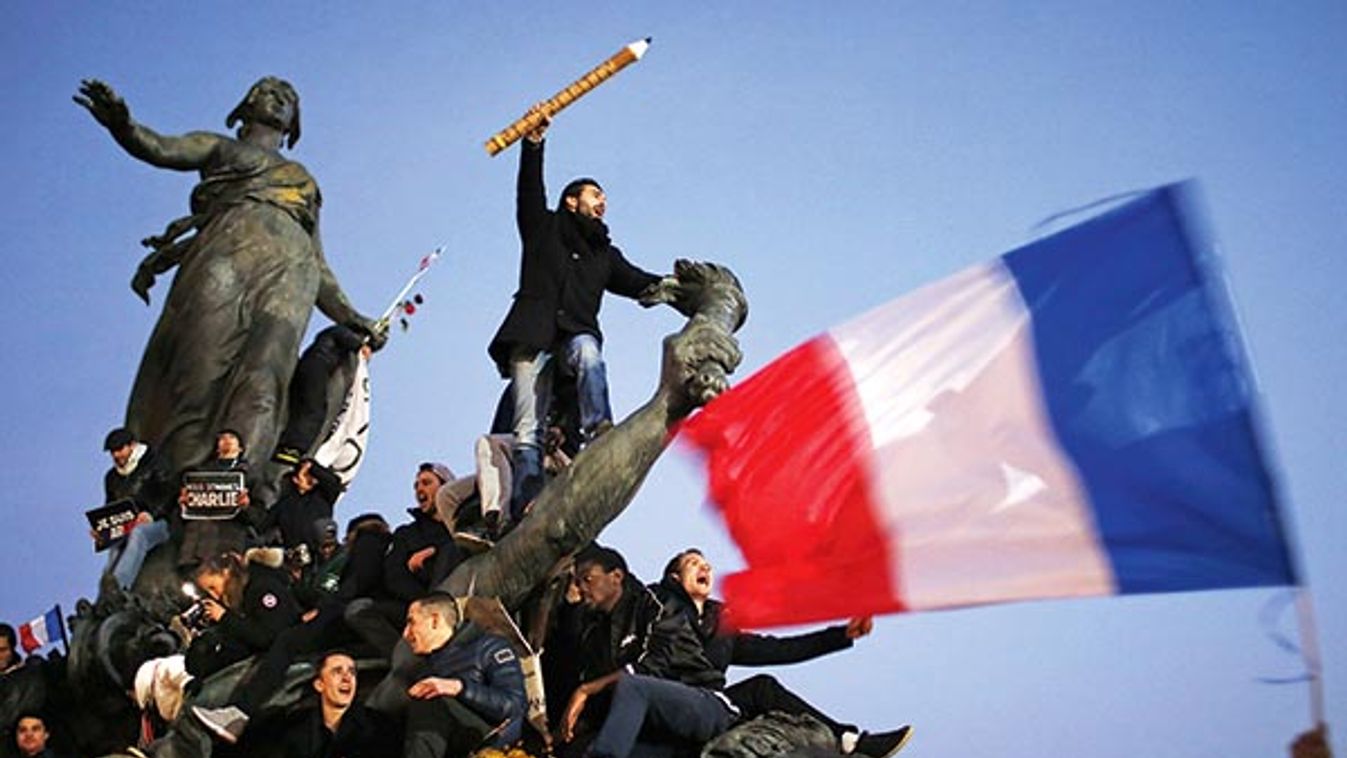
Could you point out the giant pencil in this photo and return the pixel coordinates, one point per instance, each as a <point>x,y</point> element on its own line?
<point>573,91</point>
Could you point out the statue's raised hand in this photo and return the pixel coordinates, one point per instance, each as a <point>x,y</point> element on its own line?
<point>697,362</point>
<point>104,103</point>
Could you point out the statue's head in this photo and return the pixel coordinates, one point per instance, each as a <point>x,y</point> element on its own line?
<point>271,101</point>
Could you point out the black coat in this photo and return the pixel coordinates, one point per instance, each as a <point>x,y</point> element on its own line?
<point>296,515</point>
<point>724,648</point>
<point>645,637</point>
<point>562,276</point>
<point>268,607</point>
<point>151,485</point>
<point>362,733</point>
<point>423,532</point>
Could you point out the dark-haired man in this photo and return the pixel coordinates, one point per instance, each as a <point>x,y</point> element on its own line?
<point>566,264</point>
<point>475,689</point>
<point>9,649</point>
<point>686,586</point>
<point>139,475</point>
<point>339,726</point>
<point>663,687</point>
<point>204,539</point>
<point>423,551</point>
<point>31,735</point>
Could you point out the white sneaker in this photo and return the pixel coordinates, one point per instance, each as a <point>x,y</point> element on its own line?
<point>226,723</point>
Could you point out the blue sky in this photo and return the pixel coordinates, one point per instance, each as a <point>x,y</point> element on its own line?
<point>834,156</point>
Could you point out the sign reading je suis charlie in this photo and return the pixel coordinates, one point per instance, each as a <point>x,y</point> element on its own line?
<point>112,522</point>
<point>212,494</point>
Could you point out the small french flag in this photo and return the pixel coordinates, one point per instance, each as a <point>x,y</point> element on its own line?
<point>42,630</point>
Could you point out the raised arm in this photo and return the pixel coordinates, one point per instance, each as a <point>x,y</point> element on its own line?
<point>530,195</point>
<point>186,153</point>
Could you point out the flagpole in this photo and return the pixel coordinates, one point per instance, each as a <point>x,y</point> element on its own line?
<point>60,624</point>
<point>1309,650</point>
<point>416,277</point>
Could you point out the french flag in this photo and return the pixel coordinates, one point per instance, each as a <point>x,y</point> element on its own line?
<point>42,630</point>
<point>1070,419</point>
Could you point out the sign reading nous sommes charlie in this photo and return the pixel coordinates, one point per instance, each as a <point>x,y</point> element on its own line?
<point>211,494</point>
<point>112,522</point>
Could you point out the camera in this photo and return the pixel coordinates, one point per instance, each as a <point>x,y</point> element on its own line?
<point>298,556</point>
<point>194,619</point>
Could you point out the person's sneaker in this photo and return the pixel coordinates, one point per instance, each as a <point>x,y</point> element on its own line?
<point>226,723</point>
<point>883,744</point>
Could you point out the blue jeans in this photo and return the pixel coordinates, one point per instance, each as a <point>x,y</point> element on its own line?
<point>663,707</point>
<point>531,383</point>
<point>125,560</point>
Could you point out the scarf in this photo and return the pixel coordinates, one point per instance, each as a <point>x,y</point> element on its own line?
<point>137,453</point>
<point>584,234</point>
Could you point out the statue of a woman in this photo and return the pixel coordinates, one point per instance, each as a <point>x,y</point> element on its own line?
<point>250,271</point>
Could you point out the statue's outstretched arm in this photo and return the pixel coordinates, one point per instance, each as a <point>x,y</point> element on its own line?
<point>582,500</point>
<point>186,153</point>
<point>333,303</point>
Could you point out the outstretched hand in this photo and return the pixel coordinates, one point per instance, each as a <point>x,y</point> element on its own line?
<point>859,627</point>
<point>107,107</point>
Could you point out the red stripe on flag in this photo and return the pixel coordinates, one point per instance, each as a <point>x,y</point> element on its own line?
<point>789,461</point>
<point>27,639</point>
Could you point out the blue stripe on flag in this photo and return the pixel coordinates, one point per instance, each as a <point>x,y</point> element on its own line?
<point>1148,394</point>
<point>52,620</point>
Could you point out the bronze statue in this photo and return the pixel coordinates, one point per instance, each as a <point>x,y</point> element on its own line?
<point>250,270</point>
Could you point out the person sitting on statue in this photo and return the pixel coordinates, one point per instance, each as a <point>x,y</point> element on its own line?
<point>423,551</point>
<point>663,688</point>
<point>338,725</point>
<point>567,262</point>
<point>686,586</point>
<point>419,555</point>
<point>139,475</point>
<point>306,500</point>
<point>308,395</point>
<point>250,271</point>
<point>248,601</point>
<point>473,695</point>
<point>321,580</point>
<point>204,538</point>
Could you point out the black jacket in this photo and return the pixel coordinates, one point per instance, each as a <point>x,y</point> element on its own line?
<point>645,637</point>
<point>562,272</point>
<point>724,648</point>
<point>268,607</point>
<point>295,514</point>
<point>151,485</point>
<point>362,733</point>
<point>363,574</point>
<point>493,682</point>
<point>423,532</point>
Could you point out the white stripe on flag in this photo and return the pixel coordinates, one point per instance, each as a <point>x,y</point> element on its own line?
<point>979,502</point>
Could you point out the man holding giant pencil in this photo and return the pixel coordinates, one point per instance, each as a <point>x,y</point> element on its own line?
<point>567,263</point>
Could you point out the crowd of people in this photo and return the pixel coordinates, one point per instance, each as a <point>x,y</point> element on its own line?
<point>630,669</point>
